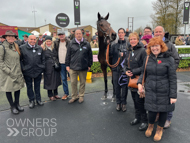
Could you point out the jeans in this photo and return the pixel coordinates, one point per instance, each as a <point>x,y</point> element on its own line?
<point>29,86</point>
<point>64,79</point>
<point>170,115</point>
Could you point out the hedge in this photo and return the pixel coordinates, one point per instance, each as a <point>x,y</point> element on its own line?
<point>96,67</point>
<point>186,62</point>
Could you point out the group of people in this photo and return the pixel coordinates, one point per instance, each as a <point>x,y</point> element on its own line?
<point>93,40</point>
<point>153,62</point>
<point>151,72</point>
<point>53,58</point>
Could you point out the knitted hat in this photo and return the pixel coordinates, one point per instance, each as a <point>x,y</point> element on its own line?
<point>48,38</point>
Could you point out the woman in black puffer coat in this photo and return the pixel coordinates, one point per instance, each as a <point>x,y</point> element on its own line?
<point>135,55</point>
<point>160,85</point>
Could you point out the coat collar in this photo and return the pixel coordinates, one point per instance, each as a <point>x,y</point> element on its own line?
<point>138,46</point>
<point>161,55</point>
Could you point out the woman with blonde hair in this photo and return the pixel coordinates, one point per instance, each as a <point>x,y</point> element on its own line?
<point>160,85</point>
<point>132,67</point>
<point>52,77</point>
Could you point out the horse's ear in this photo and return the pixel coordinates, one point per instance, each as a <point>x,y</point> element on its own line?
<point>99,16</point>
<point>106,18</point>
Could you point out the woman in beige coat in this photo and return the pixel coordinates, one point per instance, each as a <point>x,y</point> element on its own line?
<point>10,71</point>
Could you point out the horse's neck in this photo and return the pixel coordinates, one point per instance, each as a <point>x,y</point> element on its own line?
<point>102,45</point>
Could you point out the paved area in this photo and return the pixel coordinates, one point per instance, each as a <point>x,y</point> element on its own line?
<point>94,121</point>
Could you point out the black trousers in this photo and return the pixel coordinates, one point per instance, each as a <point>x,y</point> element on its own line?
<point>140,112</point>
<point>162,118</point>
<point>120,91</point>
<point>52,92</point>
<point>10,98</point>
<point>29,86</point>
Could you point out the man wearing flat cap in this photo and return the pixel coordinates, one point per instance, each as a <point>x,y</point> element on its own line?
<point>40,40</point>
<point>72,36</point>
<point>24,41</point>
<point>87,36</point>
<point>61,46</point>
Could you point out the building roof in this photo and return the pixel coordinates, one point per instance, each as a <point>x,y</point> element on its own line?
<point>27,28</point>
<point>81,27</point>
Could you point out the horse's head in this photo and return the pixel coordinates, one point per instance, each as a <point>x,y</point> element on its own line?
<point>105,30</point>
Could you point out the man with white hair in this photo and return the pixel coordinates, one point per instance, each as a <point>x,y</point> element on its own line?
<point>159,32</point>
<point>33,65</point>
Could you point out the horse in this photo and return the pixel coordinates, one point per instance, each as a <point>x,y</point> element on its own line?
<point>105,36</point>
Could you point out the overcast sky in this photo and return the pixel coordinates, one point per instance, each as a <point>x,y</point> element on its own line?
<point>19,12</point>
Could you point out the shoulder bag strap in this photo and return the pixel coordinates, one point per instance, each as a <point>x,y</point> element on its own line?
<point>145,70</point>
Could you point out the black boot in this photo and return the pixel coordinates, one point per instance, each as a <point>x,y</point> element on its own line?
<point>143,126</point>
<point>31,104</point>
<point>135,121</point>
<point>18,107</point>
<point>14,110</point>
<point>40,103</point>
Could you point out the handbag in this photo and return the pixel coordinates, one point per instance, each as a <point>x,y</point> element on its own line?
<point>132,81</point>
<point>57,65</point>
<point>142,94</point>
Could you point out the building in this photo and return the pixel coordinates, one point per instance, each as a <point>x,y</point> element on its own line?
<point>88,27</point>
<point>42,29</point>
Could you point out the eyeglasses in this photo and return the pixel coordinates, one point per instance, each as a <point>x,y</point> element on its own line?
<point>147,31</point>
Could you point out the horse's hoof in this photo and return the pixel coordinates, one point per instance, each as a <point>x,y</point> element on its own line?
<point>113,100</point>
<point>104,98</point>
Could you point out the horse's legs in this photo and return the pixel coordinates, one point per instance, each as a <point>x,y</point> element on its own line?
<point>104,69</point>
<point>114,92</point>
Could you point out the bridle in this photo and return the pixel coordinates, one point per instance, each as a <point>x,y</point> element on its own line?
<point>105,32</point>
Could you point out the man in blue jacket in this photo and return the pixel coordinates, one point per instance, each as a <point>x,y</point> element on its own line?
<point>78,62</point>
<point>33,64</point>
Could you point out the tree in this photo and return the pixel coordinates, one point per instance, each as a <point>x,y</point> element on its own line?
<point>140,29</point>
<point>177,7</point>
<point>168,14</point>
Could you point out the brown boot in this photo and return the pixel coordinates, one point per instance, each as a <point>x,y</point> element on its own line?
<point>81,99</point>
<point>158,135</point>
<point>148,132</point>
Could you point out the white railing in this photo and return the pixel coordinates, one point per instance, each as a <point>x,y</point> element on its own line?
<point>182,46</point>
<point>177,47</point>
<point>95,49</point>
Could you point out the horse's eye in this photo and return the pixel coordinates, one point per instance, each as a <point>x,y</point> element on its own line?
<point>101,24</point>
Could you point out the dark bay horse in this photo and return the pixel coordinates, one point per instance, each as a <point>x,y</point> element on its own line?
<point>105,35</point>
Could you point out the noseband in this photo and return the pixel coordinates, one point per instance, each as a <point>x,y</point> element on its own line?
<point>105,32</point>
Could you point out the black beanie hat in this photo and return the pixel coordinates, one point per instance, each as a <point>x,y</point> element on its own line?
<point>48,38</point>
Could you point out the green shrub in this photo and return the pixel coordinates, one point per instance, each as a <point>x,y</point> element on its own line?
<point>94,52</point>
<point>186,62</point>
<point>96,68</point>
